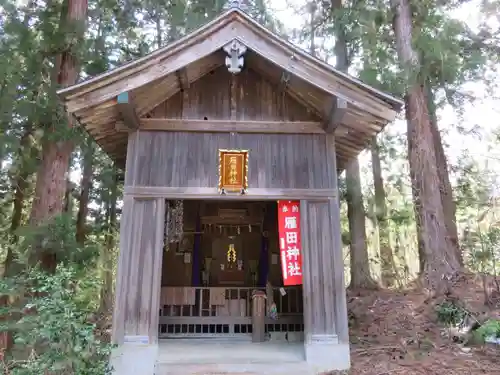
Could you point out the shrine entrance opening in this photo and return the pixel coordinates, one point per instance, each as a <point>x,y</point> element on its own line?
<point>216,254</point>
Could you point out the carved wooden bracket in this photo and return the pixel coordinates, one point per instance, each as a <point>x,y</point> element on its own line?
<point>338,113</point>
<point>234,61</point>
<point>126,108</point>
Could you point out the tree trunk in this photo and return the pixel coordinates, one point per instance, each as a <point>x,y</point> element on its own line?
<point>51,177</point>
<point>86,184</point>
<point>445,189</point>
<point>441,262</point>
<point>341,52</point>
<point>26,154</point>
<point>414,190</point>
<point>360,265</point>
<point>312,27</point>
<point>68,195</point>
<point>158,17</point>
<point>388,267</point>
<point>106,295</point>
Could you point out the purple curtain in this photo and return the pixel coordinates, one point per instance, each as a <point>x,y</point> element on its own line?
<point>197,253</point>
<point>263,262</point>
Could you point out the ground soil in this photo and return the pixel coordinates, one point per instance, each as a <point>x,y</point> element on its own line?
<point>398,333</point>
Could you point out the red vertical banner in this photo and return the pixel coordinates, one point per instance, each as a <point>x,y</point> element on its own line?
<point>290,243</point>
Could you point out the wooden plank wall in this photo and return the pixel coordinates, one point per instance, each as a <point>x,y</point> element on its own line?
<point>139,276</point>
<point>183,159</point>
<point>323,307</point>
<point>178,159</point>
<point>220,95</point>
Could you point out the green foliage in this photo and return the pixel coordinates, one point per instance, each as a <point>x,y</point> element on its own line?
<point>483,249</point>
<point>54,330</point>
<point>477,214</point>
<point>450,314</point>
<point>56,237</point>
<point>490,328</point>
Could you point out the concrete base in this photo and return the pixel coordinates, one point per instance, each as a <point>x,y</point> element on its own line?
<point>295,337</point>
<point>199,357</point>
<point>134,359</point>
<point>202,352</point>
<point>286,336</point>
<point>327,355</point>
<point>299,368</point>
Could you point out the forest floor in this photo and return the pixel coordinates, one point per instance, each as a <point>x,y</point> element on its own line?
<point>397,333</point>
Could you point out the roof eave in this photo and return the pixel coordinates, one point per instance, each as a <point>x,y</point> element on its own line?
<point>211,27</point>
<point>396,103</point>
<point>215,24</point>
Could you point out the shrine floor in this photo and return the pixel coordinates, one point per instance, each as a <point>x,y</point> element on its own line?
<point>203,357</point>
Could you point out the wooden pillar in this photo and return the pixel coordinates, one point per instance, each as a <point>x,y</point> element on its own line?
<point>319,272</point>
<point>337,256</point>
<point>308,281</point>
<point>137,297</point>
<point>325,308</point>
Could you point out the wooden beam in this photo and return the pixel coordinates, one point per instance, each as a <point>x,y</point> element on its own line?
<point>227,126</point>
<point>284,80</point>
<point>272,75</point>
<point>212,193</point>
<point>311,72</point>
<point>174,60</point>
<point>126,108</point>
<point>182,77</point>
<point>338,112</point>
<point>165,90</point>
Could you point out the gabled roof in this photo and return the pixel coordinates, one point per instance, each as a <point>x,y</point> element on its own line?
<point>152,79</point>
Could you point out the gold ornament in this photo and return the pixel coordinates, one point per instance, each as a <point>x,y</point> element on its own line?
<point>231,254</point>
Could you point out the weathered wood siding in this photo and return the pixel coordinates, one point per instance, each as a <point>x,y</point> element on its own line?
<point>139,276</point>
<point>220,95</point>
<point>325,307</point>
<point>184,159</point>
<point>175,159</point>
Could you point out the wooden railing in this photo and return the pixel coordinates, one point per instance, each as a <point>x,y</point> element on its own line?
<point>214,311</point>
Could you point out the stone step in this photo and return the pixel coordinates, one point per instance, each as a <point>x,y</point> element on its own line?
<point>230,357</point>
<point>298,368</point>
<point>210,352</point>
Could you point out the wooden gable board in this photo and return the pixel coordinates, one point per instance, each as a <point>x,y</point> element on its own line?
<point>233,24</point>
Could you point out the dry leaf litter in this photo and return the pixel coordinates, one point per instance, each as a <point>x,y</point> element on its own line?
<point>397,333</point>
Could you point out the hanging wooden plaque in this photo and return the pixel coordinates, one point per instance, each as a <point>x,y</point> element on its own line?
<point>233,171</point>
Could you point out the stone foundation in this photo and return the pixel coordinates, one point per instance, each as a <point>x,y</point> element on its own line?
<point>186,358</point>
<point>326,354</point>
<point>134,359</point>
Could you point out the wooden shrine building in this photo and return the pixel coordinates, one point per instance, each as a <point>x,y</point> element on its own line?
<point>215,132</point>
